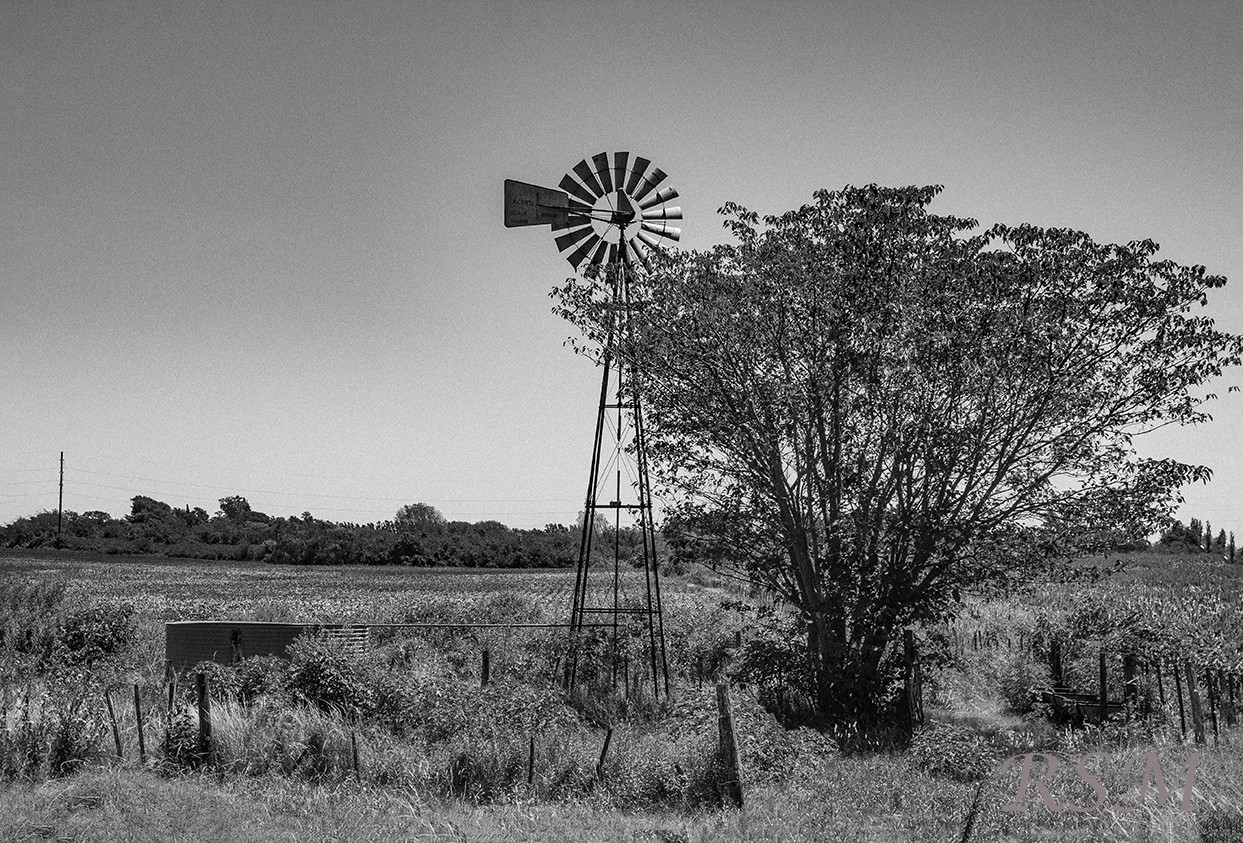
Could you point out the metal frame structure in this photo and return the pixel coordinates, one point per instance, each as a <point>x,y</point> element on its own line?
<point>599,204</point>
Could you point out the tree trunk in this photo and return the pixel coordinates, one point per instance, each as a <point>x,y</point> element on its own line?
<point>849,675</point>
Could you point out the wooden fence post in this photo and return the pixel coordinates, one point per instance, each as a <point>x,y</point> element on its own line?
<point>1178,690</point>
<point>1055,662</point>
<point>1130,686</point>
<point>604,751</point>
<point>1212,701</point>
<point>1193,694</point>
<point>1227,703</point>
<point>531,762</point>
<point>1104,705</point>
<point>485,667</point>
<point>142,743</point>
<point>911,653</point>
<point>204,702</point>
<point>731,787</point>
<point>116,734</point>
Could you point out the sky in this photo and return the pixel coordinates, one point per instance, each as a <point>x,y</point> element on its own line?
<point>257,248</point>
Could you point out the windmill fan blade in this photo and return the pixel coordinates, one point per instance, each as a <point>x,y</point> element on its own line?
<point>640,167</point>
<point>670,232</point>
<point>583,170</point>
<point>576,257</point>
<point>640,252</point>
<point>650,240</point>
<point>570,221</point>
<point>620,159</point>
<point>603,172</point>
<point>572,187</point>
<point>662,195</point>
<point>598,255</point>
<point>565,241</point>
<point>674,213</point>
<point>655,178</point>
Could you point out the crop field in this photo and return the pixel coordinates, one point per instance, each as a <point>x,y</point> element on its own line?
<point>408,745</point>
<point>168,589</point>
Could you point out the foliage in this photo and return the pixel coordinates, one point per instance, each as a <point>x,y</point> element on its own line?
<point>1022,682</point>
<point>419,516</point>
<point>179,745</point>
<point>323,673</point>
<point>94,634</point>
<point>235,508</point>
<point>43,628</point>
<point>865,408</point>
<point>260,676</point>
<point>75,732</point>
<point>47,734</point>
<point>951,751</point>
<point>418,537</point>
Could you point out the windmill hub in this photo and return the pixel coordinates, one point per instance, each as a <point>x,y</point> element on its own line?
<point>610,216</point>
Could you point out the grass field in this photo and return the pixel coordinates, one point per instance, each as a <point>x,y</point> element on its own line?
<point>796,790</point>
<point>167,589</point>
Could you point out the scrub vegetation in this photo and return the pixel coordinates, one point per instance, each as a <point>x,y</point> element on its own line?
<point>441,757</point>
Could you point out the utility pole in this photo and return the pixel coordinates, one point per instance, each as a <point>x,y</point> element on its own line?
<point>60,501</point>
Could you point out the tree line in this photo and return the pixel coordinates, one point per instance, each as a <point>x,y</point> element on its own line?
<point>417,535</point>
<point>1198,536</point>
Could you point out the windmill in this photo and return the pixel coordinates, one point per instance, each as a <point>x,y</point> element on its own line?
<point>609,212</point>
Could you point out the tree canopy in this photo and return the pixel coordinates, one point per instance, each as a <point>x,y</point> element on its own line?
<point>862,404</point>
<point>419,516</point>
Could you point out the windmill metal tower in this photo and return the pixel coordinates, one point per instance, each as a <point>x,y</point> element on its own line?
<point>607,213</point>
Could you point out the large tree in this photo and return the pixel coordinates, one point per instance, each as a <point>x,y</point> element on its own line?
<point>861,404</point>
<point>419,516</point>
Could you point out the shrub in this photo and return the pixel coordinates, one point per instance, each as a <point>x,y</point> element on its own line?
<point>28,616</point>
<point>91,635</point>
<point>260,676</point>
<point>950,751</point>
<point>1022,682</point>
<point>74,734</point>
<point>222,681</point>
<point>23,746</point>
<point>323,673</point>
<point>180,746</point>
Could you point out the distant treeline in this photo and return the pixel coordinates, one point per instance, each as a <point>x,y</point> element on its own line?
<point>1198,536</point>
<point>417,535</point>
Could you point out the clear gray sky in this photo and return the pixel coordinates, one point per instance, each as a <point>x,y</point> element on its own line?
<point>257,248</point>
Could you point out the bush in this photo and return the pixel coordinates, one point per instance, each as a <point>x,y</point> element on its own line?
<point>88,636</point>
<point>950,751</point>
<point>260,676</point>
<point>1022,682</point>
<point>180,746</point>
<point>323,673</point>
<point>74,734</point>
<point>24,746</point>
<point>222,681</point>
